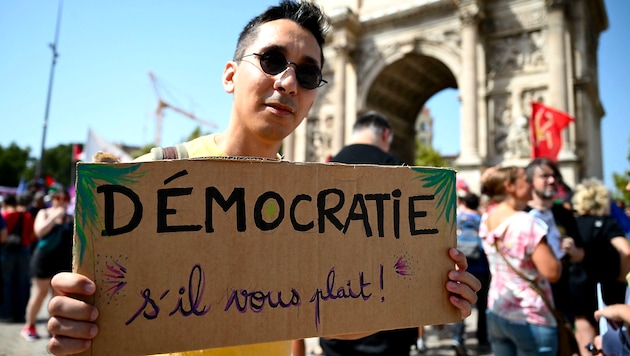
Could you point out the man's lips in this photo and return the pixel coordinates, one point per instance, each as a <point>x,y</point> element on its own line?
<point>281,108</point>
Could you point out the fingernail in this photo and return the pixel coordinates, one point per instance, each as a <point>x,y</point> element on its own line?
<point>93,330</point>
<point>90,288</point>
<point>94,314</point>
<point>87,343</point>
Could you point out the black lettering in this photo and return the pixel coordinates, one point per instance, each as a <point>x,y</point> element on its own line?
<point>329,213</point>
<point>296,225</point>
<point>163,211</point>
<point>413,215</point>
<point>259,220</point>
<point>358,201</point>
<point>380,214</point>
<point>237,197</point>
<point>396,194</point>
<point>109,211</point>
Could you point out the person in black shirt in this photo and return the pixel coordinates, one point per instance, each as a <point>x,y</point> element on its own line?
<point>372,136</point>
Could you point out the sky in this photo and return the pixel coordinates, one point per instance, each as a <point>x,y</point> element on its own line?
<point>107,48</point>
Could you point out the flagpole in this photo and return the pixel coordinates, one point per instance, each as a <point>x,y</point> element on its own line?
<point>40,165</point>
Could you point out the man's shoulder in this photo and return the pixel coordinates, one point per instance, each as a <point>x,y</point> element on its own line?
<point>365,154</point>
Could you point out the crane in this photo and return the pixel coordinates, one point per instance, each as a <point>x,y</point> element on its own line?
<point>162,105</point>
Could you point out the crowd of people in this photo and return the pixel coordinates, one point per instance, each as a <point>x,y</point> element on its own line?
<point>519,242</point>
<point>36,243</point>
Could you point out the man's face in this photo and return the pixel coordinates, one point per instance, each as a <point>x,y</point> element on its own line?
<point>272,106</point>
<point>544,182</point>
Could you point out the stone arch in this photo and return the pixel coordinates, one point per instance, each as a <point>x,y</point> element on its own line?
<point>399,88</point>
<point>494,52</point>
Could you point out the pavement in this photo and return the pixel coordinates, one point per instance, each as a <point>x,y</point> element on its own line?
<point>438,339</point>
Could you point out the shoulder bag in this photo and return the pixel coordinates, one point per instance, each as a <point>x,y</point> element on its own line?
<point>567,344</point>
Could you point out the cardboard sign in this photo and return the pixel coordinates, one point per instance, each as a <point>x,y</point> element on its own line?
<point>204,253</point>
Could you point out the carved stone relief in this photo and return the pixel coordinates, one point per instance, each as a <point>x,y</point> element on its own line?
<point>503,22</point>
<point>501,121</point>
<point>516,53</point>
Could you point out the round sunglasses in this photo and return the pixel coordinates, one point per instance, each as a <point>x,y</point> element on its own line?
<point>274,62</point>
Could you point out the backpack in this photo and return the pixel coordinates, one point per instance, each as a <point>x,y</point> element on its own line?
<point>468,241</point>
<point>173,152</point>
<point>14,240</point>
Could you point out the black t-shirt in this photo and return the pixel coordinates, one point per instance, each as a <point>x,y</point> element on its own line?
<point>390,342</point>
<point>386,343</point>
<point>365,154</point>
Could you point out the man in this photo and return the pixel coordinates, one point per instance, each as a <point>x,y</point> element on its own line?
<point>563,234</point>
<point>371,139</point>
<point>276,67</point>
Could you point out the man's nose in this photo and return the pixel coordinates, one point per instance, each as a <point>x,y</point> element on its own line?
<point>286,80</point>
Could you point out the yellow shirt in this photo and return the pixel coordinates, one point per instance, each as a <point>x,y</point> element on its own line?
<point>205,146</point>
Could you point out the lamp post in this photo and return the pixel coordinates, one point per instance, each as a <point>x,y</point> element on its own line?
<point>40,165</point>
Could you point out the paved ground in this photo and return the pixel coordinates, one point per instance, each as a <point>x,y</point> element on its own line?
<point>438,341</point>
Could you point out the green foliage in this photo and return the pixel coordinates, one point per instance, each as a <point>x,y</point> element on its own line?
<point>58,164</point>
<point>621,181</point>
<point>427,156</point>
<point>14,163</point>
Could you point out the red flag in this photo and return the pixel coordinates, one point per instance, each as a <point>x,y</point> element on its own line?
<point>546,125</point>
<point>77,152</point>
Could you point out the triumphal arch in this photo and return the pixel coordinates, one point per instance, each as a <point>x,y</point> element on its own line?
<point>393,55</point>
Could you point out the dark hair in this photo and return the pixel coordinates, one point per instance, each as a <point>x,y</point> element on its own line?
<point>539,162</point>
<point>471,201</point>
<point>24,199</point>
<point>61,195</point>
<point>305,14</point>
<point>10,200</point>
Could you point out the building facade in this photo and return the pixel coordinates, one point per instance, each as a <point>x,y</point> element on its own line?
<point>499,54</point>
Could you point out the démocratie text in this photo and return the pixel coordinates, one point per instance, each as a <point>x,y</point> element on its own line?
<point>326,209</point>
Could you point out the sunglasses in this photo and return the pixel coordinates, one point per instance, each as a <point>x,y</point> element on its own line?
<point>274,62</point>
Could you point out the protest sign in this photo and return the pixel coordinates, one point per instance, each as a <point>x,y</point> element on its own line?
<point>203,253</point>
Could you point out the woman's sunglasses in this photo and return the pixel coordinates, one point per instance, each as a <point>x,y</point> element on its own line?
<point>273,62</point>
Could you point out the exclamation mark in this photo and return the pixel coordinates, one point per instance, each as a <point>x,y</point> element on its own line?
<point>382,296</point>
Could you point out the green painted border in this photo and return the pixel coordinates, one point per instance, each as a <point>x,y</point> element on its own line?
<point>88,220</point>
<point>443,183</point>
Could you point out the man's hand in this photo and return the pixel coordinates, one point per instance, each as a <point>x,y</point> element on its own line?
<point>71,322</point>
<point>462,285</point>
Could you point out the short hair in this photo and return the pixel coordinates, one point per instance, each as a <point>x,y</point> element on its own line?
<point>539,162</point>
<point>494,186</point>
<point>305,14</point>
<point>591,197</point>
<point>10,200</point>
<point>471,201</point>
<point>24,199</point>
<point>374,121</point>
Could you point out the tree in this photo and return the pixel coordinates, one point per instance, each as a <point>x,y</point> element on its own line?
<point>14,164</point>
<point>58,164</point>
<point>427,156</point>
<point>620,181</point>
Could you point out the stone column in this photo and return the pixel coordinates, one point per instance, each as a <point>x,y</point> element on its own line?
<point>340,98</point>
<point>469,153</point>
<point>558,77</point>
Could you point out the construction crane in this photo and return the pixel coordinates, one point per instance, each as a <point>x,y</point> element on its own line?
<point>162,105</point>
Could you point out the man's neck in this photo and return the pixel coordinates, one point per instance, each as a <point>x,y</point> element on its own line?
<point>540,204</point>
<point>233,145</point>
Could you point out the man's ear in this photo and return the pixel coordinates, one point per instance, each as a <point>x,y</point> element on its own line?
<point>229,72</point>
